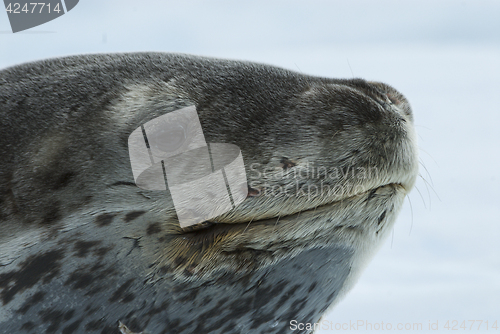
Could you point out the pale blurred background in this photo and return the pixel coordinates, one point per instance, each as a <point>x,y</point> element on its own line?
<point>442,261</point>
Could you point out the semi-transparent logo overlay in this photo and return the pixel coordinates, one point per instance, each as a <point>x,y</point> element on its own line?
<point>28,14</point>
<point>204,180</point>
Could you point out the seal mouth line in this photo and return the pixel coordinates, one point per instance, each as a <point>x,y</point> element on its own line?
<point>212,226</point>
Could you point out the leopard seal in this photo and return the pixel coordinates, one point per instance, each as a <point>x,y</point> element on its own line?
<point>84,250</point>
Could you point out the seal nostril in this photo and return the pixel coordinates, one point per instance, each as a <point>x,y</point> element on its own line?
<point>287,163</point>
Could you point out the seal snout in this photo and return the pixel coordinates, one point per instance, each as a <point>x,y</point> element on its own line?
<point>391,99</point>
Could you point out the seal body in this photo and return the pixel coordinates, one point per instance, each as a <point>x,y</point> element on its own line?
<point>328,164</point>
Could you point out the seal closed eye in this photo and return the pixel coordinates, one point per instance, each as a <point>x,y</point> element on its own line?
<point>328,164</point>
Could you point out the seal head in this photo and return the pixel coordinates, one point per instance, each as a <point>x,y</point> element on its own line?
<point>328,164</point>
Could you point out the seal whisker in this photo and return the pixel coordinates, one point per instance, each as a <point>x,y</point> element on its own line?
<point>411,212</point>
<point>248,225</point>
<point>392,237</point>
<point>430,186</point>
<point>422,197</point>
<point>427,188</point>
<point>276,223</point>
<point>430,156</point>
<point>425,168</point>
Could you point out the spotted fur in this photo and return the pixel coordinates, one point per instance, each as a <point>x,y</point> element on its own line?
<point>82,248</point>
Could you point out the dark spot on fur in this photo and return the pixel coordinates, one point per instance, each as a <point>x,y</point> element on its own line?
<point>311,288</point>
<point>54,317</point>
<point>165,269</point>
<point>128,298</point>
<point>133,215</point>
<point>101,251</point>
<point>206,301</point>
<point>87,199</point>
<point>155,310</point>
<point>95,325</point>
<point>371,195</point>
<point>110,330</point>
<point>221,303</point>
<point>119,294</point>
<point>28,326</point>
<point>295,308</point>
<point>63,180</point>
<point>71,328</point>
<point>33,300</point>
<point>82,247</point>
<point>228,327</point>
<point>153,228</point>
<point>179,260</point>
<point>215,325</point>
<point>104,219</point>
<point>310,317</point>
<point>173,326</point>
<point>382,216</point>
<point>282,301</point>
<point>324,308</point>
<point>69,314</point>
<point>331,296</point>
<point>293,289</point>
<point>187,272</point>
<point>261,318</point>
<point>268,293</point>
<point>84,276</point>
<point>190,296</point>
<point>287,163</point>
<point>239,308</point>
<point>79,280</point>
<point>35,268</point>
<point>286,296</point>
<point>53,214</point>
<point>89,309</point>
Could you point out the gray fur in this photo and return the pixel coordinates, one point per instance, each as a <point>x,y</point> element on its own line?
<point>83,248</point>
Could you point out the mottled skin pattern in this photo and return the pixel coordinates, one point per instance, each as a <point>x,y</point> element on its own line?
<point>83,248</point>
